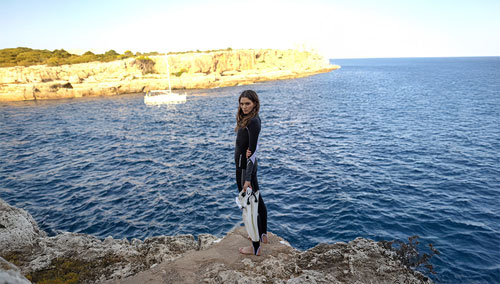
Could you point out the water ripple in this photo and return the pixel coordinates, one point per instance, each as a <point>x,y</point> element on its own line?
<point>383,149</point>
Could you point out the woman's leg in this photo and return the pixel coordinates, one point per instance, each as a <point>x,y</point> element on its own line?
<point>262,210</point>
<point>262,220</point>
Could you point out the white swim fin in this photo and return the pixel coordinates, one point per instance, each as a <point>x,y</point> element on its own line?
<point>249,200</point>
<point>238,202</point>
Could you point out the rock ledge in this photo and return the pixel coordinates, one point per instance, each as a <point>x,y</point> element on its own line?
<point>26,250</point>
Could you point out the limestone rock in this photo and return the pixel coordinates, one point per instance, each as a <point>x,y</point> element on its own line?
<point>182,259</point>
<point>188,71</point>
<point>22,241</point>
<point>10,274</point>
<point>313,277</point>
<point>18,229</point>
<point>206,240</point>
<point>359,261</point>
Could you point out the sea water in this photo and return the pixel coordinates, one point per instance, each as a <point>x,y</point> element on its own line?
<point>381,148</point>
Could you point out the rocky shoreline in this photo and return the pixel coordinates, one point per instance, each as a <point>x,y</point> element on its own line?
<point>188,71</point>
<point>28,254</point>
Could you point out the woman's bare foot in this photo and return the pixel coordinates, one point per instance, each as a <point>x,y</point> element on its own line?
<point>248,250</point>
<point>264,239</point>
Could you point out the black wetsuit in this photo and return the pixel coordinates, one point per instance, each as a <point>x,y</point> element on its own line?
<point>246,169</point>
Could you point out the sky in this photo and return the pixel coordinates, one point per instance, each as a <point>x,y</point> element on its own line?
<point>335,29</point>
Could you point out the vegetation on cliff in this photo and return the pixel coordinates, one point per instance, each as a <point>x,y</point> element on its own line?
<point>24,56</point>
<point>411,256</point>
<point>145,64</point>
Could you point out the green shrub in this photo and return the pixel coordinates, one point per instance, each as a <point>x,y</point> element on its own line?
<point>54,61</point>
<point>409,254</point>
<point>111,53</point>
<point>178,74</point>
<point>71,271</point>
<point>145,64</point>
<point>61,53</point>
<point>31,57</point>
<point>9,55</point>
<point>7,64</point>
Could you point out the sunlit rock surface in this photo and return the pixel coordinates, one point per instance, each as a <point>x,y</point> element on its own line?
<point>188,71</point>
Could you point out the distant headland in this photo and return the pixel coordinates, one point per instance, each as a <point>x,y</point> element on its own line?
<point>28,74</point>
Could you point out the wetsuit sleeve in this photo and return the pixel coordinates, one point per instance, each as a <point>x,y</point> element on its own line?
<point>253,141</point>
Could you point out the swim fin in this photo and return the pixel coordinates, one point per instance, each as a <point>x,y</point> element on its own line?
<point>249,200</point>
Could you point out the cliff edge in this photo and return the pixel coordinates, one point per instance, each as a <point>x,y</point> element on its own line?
<point>132,75</point>
<point>28,254</point>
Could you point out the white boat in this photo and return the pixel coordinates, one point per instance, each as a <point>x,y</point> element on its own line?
<point>157,97</point>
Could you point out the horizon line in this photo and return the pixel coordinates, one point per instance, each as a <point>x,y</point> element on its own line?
<point>402,57</point>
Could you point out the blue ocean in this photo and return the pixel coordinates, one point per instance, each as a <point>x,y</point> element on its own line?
<point>381,148</point>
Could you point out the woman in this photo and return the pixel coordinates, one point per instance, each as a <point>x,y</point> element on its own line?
<point>245,156</point>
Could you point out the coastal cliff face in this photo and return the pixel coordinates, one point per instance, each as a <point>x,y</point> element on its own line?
<point>188,71</point>
<point>28,254</point>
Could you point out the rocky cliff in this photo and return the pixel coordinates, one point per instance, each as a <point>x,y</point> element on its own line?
<point>188,71</point>
<point>28,254</point>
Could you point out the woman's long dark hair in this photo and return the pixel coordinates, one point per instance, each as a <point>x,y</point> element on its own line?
<point>242,120</point>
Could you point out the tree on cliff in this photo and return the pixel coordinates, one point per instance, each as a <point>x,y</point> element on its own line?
<point>145,64</point>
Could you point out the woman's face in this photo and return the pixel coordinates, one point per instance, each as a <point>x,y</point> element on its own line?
<point>246,105</point>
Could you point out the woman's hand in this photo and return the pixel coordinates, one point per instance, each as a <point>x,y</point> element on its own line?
<point>249,153</point>
<point>246,185</point>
